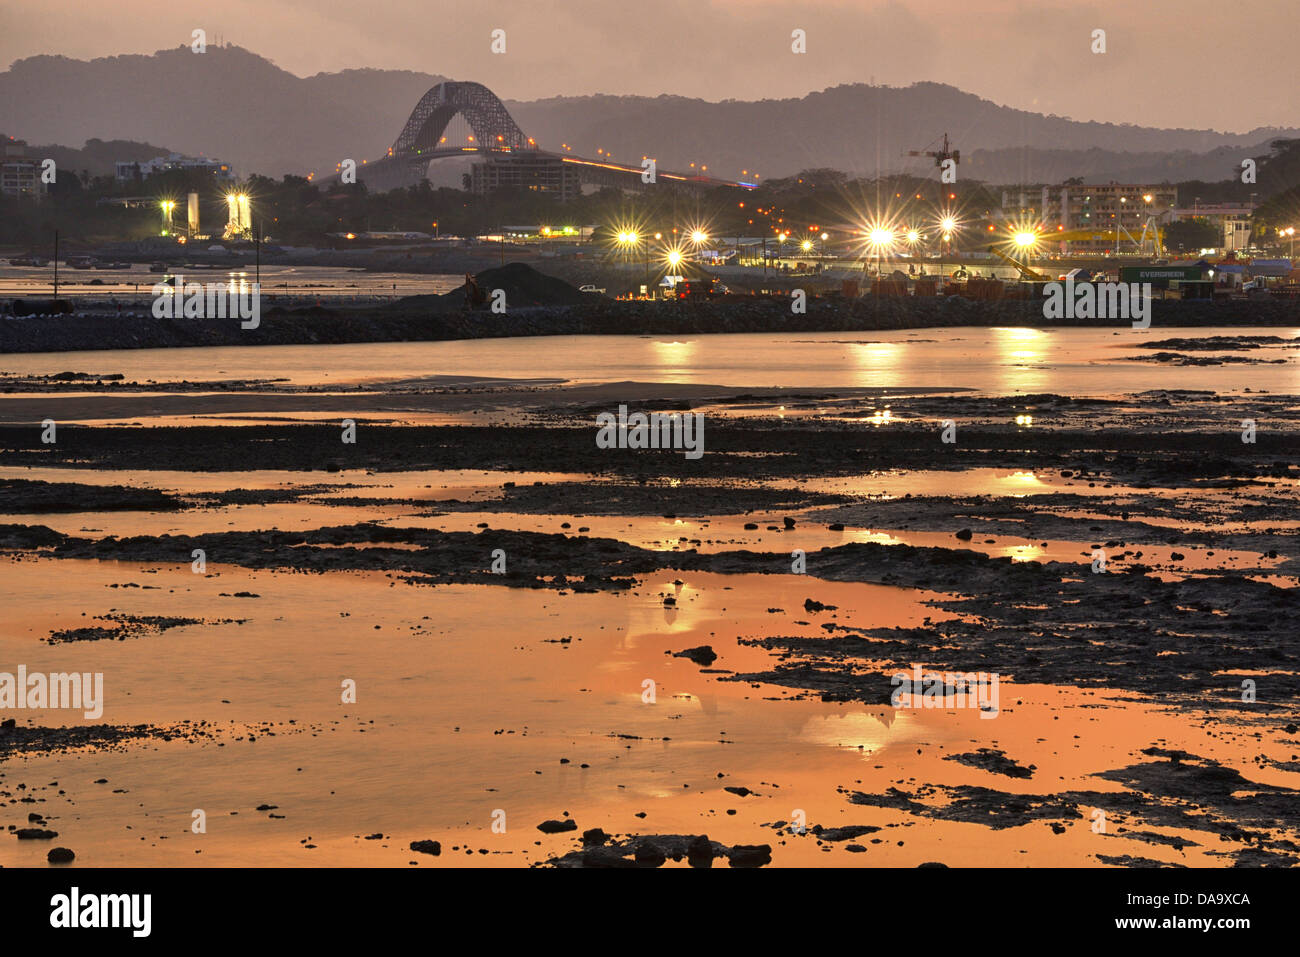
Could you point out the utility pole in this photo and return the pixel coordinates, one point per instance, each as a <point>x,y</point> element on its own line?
<point>257,247</point>
<point>56,264</point>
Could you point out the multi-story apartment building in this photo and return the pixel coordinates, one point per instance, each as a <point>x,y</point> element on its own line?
<point>20,175</point>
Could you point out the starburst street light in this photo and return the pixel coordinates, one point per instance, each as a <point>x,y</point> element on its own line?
<point>699,236</point>
<point>626,238</point>
<point>880,240</point>
<point>1024,239</point>
<point>948,225</point>
<point>240,222</point>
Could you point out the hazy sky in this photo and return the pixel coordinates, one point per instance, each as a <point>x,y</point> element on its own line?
<point>1228,65</point>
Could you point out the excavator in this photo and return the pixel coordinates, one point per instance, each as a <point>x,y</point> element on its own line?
<point>1026,273</point>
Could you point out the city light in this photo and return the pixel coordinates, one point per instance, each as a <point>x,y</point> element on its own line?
<point>699,236</point>
<point>913,235</point>
<point>1025,239</point>
<point>673,258</point>
<point>240,221</point>
<point>879,237</point>
<point>806,245</point>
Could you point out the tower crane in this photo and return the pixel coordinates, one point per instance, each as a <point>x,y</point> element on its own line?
<point>939,155</point>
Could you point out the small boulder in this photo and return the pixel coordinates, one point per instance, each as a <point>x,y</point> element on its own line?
<point>34,834</point>
<point>649,855</point>
<point>699,852</point>
<point>703,655</point>
<point>750,855</point>
<point>557,827</point>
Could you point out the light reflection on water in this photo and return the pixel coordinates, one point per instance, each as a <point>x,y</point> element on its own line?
<point>1021,356</point>
<point>995,360</point>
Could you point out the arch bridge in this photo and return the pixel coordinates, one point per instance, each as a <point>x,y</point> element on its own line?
<point>497,138</point>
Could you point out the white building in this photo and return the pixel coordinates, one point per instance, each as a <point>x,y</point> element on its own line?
<point>127,170</point>
<point>19,175</point>
<point>1232,219</point>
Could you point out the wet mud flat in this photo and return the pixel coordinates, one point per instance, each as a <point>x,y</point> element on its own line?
<point>1163,436</point>
<point>1160,688</point>
<point>564,311</point>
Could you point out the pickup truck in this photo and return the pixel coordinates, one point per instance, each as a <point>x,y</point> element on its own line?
<point>592,289</point>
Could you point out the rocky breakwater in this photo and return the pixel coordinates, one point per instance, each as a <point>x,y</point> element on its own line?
<point>535,304</point>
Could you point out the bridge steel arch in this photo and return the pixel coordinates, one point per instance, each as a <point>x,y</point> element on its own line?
<point>486,115</point>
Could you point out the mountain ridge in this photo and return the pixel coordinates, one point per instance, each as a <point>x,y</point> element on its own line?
<point>238,106</point>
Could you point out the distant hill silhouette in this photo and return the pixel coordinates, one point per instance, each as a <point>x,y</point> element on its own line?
<point>97,157</point>
<point>235,105</point>
<point>226,103</point>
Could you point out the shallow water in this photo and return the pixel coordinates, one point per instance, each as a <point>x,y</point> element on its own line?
<point>134,285</point>
<point>470,700</point>
<point>438,687</point>
<point>992,360</point>
<point>455,721</point>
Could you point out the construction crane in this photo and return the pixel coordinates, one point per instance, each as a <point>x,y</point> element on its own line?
<point>946,153</point>
<point>1152,234</point>
<point>1152,229</point>
<point>1028,274</point>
